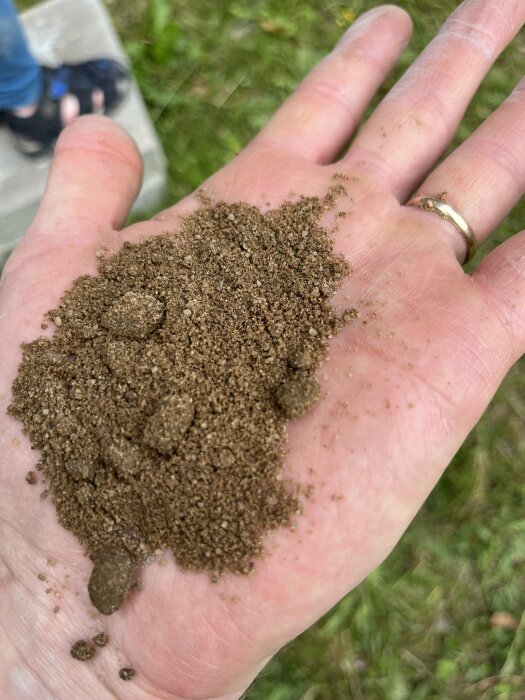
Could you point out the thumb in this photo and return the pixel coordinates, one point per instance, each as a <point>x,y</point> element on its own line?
<point>94,178</point>
<point>502,275</point>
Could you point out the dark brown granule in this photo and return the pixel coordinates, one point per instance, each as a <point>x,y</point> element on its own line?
<point>31,478</point>
<point>333,195</point>
<point>111,580</point>
<point>296,395</point>
<point>82,650</point>
<point>350,315</point>
<point>101,639</point>
<point>126,673</point>
<point>160,403</point>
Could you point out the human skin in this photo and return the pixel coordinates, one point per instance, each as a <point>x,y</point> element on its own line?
<point>401,388</point>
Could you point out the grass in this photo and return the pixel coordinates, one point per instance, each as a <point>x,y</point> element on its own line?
<point>212,72</point>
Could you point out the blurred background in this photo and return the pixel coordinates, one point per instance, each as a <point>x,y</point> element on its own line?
<point>443,617</point>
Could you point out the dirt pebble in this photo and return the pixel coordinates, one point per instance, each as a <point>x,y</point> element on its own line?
<point>133,315</point>
<point>296,395</point>
<point>82,650</point>
<point>101,639</point>
<point>126,673</point>
<point>111,580</point>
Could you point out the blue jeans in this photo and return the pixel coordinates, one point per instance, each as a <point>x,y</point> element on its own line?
<point>20,74</point>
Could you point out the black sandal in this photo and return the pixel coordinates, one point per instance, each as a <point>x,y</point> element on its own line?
<point>37,134</point>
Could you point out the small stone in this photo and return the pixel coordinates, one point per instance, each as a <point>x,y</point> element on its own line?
<point>187,312</point>
<point>126,673</point>
<point>295,396</point>
<point>58,321</point>
<point>82,650</point>
<point>100,639</point>
<point>111,580</point>
<point>312,332</point>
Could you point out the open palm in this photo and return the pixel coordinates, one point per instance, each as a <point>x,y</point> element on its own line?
<point>402,385</point>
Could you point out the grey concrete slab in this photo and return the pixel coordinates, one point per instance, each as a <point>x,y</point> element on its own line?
<point>70,31</point>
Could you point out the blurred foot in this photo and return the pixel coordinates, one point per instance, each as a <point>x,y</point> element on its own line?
<point>93,87</point>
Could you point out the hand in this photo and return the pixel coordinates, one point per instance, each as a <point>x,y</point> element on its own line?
<point>404,384</point>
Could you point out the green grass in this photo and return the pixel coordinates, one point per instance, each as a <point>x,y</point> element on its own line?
<point>420,627</point>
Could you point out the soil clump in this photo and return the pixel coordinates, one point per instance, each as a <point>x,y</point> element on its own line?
<point>101,639</point>
<point>127,674</point>
<point>82,650</point>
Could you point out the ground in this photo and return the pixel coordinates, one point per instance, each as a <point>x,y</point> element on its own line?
<point>443,617</point>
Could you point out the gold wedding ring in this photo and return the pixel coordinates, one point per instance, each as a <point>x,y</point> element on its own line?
<point>437,205</point>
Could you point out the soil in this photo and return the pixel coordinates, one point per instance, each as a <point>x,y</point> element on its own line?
<point>82,650</point>
<point>101,639</point>
<point>111,580</point>
<point>159,406</point>
<point>126,673</point>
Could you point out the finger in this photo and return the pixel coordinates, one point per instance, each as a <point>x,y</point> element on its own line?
<point>94,178</point>
<point>320,116</point>
<point>93,181</point>
<point>502,276</point>
<point>415,122</point>
<point>485,177</point>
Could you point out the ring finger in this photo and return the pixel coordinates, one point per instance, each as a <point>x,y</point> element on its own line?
<point>485,177</point>
<point>416,121</point>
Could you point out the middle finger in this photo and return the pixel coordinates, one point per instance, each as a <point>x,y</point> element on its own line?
<point>417,119</point>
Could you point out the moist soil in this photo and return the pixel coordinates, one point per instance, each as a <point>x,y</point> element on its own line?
<point>127,674</point>
<point>101,639</point>
<point>160,403</point>
<point>82,650</point>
